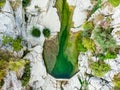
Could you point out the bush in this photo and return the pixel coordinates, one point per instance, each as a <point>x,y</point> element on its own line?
<point>6,40</point>
<point>104,38</point>
<point>99,68</point>
<point>2,3</point>
<point>88,25</point>
<point>1,83</point>
<point>25,3</point>
<point>46,32</point>
<point>108,55</point>
<point>115,3</point>
<point>16,65</point>
<point>15,43</point>
<point>116,81</point>
<point>3,69</point>
<point>35,32</point>
<point>86,33</point>
<point>9,62</point>
<point>89,44</point>
<point>80,46</point>
<point>26,75</point>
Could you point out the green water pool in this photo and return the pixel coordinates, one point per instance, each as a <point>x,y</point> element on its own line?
<point>64,64</point>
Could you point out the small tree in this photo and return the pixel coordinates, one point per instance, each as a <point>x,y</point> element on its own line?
<point>35,32</point>
<point>46,32</point>
<point>25,3</point>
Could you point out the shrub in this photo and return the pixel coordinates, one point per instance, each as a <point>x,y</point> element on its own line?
<point>2,3</point>
<point>6,39</point>
<point>46,32</point>
<point>116,80</point>
<point>108,55</point>
<point>89,44</point>
<point>16,65</point>
<point>83,84</point>
<point>35,32</point>
<point>115,3</point>
<point>86,33</point>
<point>9,62</point>
<point>101,56</point>
<point>15,43</point>
<point>99,68</point>
<point>80,46</point>
<point>25,3</point>
<point>3,69</point>
<point>96,6</point>
<point>1,83</point>
<point>26,75</point>
<point>104,38</point>
<point>88,25</point>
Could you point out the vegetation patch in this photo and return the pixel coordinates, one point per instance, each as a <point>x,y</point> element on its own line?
<point>35,32</point>
<point>108,55</point>
<point>15,43</point>
<point>26,75</point>
<point>80,46</point>
<point>99,68</point>
<point>115,3</point>
<point>89,44</point>
<point>104,38</point>
<point>25,3</point>
<point>83,84</point>
<point>116,81</point>
<point>9,62</point>
<point>2,3</point>
<point>1,83</point>
<point>46,32</point>
<point>88,25</point>
<point>16,65</point>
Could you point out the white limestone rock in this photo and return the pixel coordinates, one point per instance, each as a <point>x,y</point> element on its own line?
<point>11,82</point>
<point>35,40</point>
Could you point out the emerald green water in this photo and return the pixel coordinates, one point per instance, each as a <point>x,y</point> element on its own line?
<point>63,67</point>
<point>60,54</point>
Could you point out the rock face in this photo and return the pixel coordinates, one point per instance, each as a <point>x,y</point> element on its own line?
<point>8,25</point>
<point>18,21</point>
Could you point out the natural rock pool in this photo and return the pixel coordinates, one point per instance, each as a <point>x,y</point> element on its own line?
<point>60,53</point>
